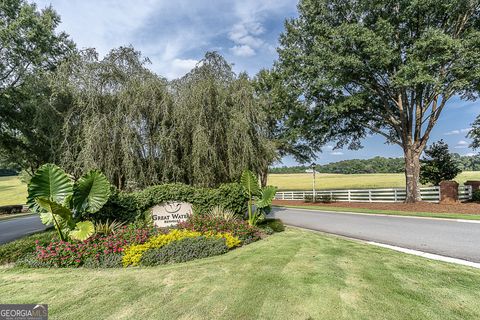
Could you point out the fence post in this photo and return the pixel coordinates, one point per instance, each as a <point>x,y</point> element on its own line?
<point>283,195</point>
<point>349,196</point>
<point>369,195</point>
<point>395,195</point>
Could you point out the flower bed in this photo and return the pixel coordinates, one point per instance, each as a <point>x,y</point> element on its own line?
<point>76,253</point>
<point>199,237</point>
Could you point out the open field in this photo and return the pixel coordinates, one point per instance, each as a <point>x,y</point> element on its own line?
<point>303,181</point>
<point>12,191</point>
<point>292,275</point>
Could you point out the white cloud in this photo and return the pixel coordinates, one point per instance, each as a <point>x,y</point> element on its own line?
<point>470,154</point>
<point>336,153</point>
<point>453,132</point>
<point>329,147</point>
<point>449,133</point>
<point>246,33</point>
<point>462,144</point>
<point>180,67</point>
<point>243,50</point>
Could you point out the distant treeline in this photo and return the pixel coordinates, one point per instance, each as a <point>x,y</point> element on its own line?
<point>7,172</point>
<point>374,165</point>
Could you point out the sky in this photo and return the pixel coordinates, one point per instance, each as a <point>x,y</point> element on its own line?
<point>175,35</point>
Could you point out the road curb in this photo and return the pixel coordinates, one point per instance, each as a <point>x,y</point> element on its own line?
<point>427,255</point>
<point>382,215</point>
<point>423,254</point>
<point>16,216</point>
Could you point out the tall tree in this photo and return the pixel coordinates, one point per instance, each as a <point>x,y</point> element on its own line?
<point>219,125</point>
<point>30,47</point>
<point>387,67</point>
<point>118,120</point>
<point>284,119</point>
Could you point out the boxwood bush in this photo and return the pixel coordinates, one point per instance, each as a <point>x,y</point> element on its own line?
<point>476,196</point>
<point>127,207</point>
<point>184,250</point>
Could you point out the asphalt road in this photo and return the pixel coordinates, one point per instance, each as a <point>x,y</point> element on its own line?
<point>448,238</point>
<point>15,228</point>
<point>445,237</point>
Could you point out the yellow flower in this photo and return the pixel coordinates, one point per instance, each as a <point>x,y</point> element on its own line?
<point>133,254</point>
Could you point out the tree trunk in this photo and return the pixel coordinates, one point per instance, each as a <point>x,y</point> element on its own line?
<point>264,177</point>
<point>412,175</point>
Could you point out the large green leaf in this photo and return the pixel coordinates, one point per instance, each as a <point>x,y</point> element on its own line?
<point>91,192</point>
<point>49,182</point>
<point>249,183</point>
<point>83,230</point>
<point>266,196</point>
<point>46,218</point>
<point>55,208</point>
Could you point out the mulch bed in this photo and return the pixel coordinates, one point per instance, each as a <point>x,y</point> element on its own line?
<point>466,208</point>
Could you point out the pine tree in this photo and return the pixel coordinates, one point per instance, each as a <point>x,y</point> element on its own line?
<point>438,164</point>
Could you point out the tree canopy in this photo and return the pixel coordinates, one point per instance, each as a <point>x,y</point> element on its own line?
<point>383,67</point>
<point>30,47</point>
<point>203,129</point>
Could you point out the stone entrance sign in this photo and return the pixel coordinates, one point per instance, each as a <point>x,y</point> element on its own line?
<point>170,213</point>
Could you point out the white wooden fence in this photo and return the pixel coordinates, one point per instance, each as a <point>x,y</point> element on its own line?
<point>430,194</point>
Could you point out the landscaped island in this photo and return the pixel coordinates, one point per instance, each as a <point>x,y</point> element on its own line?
<point>99,226</point>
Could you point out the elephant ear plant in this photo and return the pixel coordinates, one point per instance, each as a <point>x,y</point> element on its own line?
<point>259,199</point>
<point>61,201</point>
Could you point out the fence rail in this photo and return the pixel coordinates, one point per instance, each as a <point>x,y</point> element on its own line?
<point>429,194</point>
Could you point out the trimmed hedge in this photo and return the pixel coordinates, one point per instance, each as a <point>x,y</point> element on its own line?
<point>127,207</point>
<point>184,250</point>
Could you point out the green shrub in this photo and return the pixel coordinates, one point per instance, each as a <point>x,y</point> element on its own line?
<point>184,250</point>
<point>326,198</point>
<point>128,207</point>
<point>266,229</point>
<point>476,196</point>
<point>30,261</point>
<point>308,198</point>
<point>105,261</point>
<point>15,250</point>
<point>274,224</point>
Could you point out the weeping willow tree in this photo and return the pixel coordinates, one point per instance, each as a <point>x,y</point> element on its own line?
<point>140,130</point>
<point>219,127</point>
<point>119,120</point>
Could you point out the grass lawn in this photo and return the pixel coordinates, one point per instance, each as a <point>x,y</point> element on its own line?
<point>390,212</point>
<point>12,191</point>
<point>303,181</point>
<point>292,275</point>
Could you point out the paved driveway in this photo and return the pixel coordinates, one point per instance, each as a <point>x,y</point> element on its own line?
<point>12,229</point>
<point>440,236</point>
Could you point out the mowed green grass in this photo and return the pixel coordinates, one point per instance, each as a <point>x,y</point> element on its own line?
<point>303,181</point>
<point>12,191</point>
<point>296,274</point>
